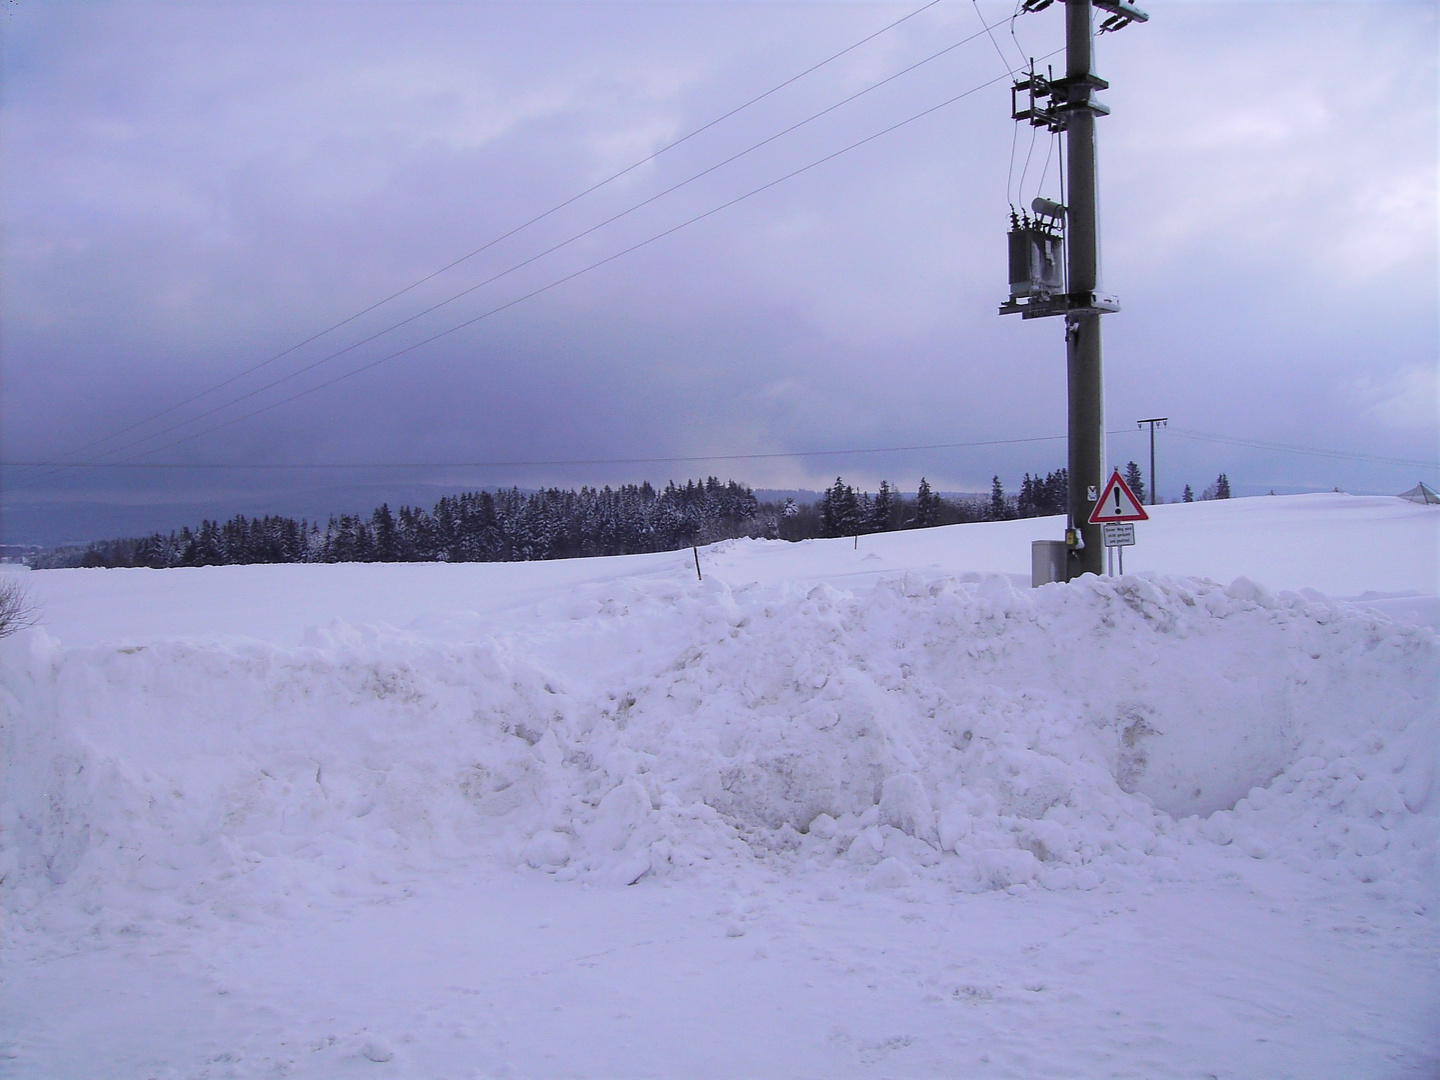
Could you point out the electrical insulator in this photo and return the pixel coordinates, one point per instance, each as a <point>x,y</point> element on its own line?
<point>1043,207</point>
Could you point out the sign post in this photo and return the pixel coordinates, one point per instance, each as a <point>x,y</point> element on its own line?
<point>1116,512</point>
<point>1118,534</point>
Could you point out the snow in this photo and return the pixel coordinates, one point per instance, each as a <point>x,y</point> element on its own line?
<point>836,809</point>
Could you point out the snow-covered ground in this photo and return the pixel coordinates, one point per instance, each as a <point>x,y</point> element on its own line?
<point>835,810</point>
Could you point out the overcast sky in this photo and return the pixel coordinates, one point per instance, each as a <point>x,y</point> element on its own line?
<point>192,189</point>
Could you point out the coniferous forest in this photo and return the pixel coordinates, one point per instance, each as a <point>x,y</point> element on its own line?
<point>513,526</point>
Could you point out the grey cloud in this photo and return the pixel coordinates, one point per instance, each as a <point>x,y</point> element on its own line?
<point>195,188</point>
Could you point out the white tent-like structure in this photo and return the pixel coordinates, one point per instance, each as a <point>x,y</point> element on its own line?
<point>1421,493</point>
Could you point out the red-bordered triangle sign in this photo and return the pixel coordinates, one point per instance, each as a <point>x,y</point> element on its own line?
<point>1117,503</point>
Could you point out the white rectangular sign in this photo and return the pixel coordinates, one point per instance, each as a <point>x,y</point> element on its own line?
<point>1119,533</point>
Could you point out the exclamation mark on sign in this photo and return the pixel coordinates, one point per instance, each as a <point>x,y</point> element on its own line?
<point>1117,500</point>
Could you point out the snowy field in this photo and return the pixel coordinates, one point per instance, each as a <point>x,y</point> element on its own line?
<point>834,811</point>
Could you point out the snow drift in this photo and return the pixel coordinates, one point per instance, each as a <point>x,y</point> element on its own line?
<point>951,727</point>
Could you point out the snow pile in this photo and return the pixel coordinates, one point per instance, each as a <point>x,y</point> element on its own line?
<point>953,728</point>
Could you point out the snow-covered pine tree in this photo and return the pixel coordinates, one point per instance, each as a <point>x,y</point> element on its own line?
<point>830,508</point>
<point>882,508</point>
<point>999,509</point>
<point>927,507</point>
<point>1220,489</point>
<point>383,524</point>
<point>1135,481</point>
<point>1056,494</point>
<point>840,510</point>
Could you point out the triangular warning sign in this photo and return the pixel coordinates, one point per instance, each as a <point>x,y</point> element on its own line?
<point>1117,503</point>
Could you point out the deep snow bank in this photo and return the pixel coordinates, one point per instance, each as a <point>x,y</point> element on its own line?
<point>952,727</point>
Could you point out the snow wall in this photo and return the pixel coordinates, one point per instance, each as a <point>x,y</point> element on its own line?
<point>952,728</point>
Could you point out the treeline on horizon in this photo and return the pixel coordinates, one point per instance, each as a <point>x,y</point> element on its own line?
<point>552,523</point>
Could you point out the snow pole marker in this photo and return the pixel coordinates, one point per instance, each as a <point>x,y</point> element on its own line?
<point>695,550</point>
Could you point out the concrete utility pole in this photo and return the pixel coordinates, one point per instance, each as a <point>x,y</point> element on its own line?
<point>1152,421</point>
<point>1071,107</point>
<point>1085,377</point>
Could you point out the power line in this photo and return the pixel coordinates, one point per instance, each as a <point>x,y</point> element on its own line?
<point>1020,190</point>
<point>556,462</point>
<point>988,30</point>
<point>1014,17</point>
<point>1261,444</point>
<point>548,251</point>
<point>1185,433</point>
<point>584,270</point>
<point>493,278</point>
<point>682,459</point>
<point>506,235</point>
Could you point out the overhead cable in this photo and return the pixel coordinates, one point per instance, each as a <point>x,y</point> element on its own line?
<point>577,273</point>
<point>506,235</point>
<point>1261,444</point>
<point>1234,440</point>
<point>542,254</point>
<point>574,461</point>
<point>1203,436</point>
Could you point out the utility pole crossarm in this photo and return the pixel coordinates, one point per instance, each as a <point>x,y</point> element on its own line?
<point>1163,421</point>
<point>1116,9</point>
<point>1121,15</point>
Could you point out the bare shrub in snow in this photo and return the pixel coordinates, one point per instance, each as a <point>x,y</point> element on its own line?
<point>16,611</point>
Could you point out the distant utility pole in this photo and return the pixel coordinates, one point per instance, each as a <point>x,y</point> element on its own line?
<point>1163,421</point>
<point>1038,277</point>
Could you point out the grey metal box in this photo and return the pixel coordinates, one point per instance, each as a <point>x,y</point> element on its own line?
<point>1047,562</point>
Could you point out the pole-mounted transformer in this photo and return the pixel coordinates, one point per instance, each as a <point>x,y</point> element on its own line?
<point>1054,255</point>
<point>1037,259</point>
